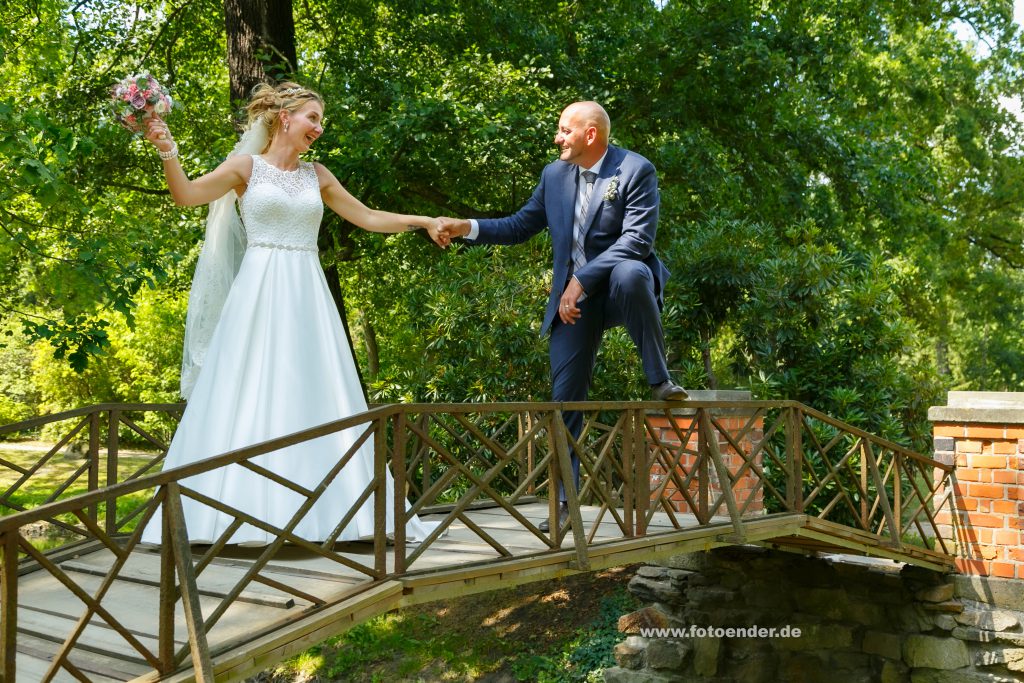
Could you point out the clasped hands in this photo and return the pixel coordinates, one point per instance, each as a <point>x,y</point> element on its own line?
<point>449,229</point>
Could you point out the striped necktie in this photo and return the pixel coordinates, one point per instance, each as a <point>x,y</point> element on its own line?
<point>579,256</point>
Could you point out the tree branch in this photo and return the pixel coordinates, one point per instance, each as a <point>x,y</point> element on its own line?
<point>135,188</point>
<point>34,252</point>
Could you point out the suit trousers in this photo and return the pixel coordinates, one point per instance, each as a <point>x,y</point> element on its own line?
<point>628,300</point>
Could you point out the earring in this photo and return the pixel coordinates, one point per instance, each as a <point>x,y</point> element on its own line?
<point>285,126</point>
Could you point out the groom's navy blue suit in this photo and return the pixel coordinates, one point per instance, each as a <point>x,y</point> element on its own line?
<point>623,277</point>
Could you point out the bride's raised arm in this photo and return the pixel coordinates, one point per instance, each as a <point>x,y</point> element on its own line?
<point>354,211</point>
<point>231,174</point>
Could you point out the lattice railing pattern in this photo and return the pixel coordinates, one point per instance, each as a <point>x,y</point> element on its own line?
<point>445,461</point>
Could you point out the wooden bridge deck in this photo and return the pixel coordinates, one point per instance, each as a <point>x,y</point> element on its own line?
<point>266,625</point>
<point>656,480</point>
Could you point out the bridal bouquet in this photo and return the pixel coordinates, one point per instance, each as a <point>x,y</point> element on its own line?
<point>138,97</point>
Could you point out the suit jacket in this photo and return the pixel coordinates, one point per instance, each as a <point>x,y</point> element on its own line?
<point>621,222</point>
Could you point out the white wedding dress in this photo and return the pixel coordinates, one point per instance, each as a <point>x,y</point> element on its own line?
<point>278,362</point>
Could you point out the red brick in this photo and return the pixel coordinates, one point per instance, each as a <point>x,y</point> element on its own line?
<point>989,431</point>
<point>967,504</point>
<point>987,490</point>
<point>1004,477</point>
<point>1006,570</point>
<point>982,520</point>
<point>967,566</point>
<point>968,475</point>
<point>1013,432</point>
<point>1004,447</point>
<point>1006,537</point>
<point>1016,554</point>
<point>989,461</point>
<point>1004,507</point>
<point>991,552</point>
<point>947,429</point>
<point>974,536</point>
<point>968,447</point>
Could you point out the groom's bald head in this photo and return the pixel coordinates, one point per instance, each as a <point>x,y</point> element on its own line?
<point>582,136</point>
<point>589,113</point>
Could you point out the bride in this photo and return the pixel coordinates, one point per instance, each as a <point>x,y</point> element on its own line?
<point>266,354</point>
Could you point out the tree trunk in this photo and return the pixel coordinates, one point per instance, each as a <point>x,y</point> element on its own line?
<point>261,43</point>
<point>255,29</point>
<point>705,352</point>
<point>331,273</point>
<point>942,358</point>
<point>372,350</point>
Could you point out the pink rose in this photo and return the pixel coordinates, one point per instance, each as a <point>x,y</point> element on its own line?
<point>137,100</point>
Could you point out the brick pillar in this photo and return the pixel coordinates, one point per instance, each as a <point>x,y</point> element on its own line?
<point>983,433</point>
<point>745,489</point>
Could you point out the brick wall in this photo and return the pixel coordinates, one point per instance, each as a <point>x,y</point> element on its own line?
<point>983,435</point>
<point>745,489</point>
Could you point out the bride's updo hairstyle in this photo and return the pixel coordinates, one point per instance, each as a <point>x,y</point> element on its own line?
<point>267,101</point>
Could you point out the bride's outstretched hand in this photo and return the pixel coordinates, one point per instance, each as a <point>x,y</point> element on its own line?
<point>438,234</point>
<point>159,134</point>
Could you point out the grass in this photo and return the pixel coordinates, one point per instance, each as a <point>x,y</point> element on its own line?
<point>50,477</point>
<point>559,631</point>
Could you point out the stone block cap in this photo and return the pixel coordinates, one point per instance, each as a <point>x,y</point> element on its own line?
<point>719,395</point>
<point>1006,407</point>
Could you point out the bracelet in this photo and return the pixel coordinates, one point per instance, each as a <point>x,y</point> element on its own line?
<point>169,154</point>
<point>410,228</point>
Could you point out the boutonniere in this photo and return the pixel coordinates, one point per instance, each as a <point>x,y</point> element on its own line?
<point>611,193</point>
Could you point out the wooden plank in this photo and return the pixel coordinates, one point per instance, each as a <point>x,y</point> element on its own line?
<point>194,619</point>
<point>97,636</point>
<point>303,633</point>
<point>136,607</point>
<point>8,603</point>
<point>145,570</point>
<point>32,668</point>
<point>286,570</point>
<point>97,667</point>
<point>64,552</point>
<point>875,550</point>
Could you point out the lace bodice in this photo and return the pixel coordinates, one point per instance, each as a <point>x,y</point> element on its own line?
<point>282,209</point>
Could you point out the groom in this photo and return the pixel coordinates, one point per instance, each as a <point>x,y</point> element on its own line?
<point>600,203</point>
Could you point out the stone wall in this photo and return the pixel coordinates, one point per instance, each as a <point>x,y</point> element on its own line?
<point>859,620</point>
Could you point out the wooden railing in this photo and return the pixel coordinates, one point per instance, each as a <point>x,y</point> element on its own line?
<point>447,460</point>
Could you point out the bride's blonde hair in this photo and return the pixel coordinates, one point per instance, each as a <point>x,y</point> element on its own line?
<point>267,101</point>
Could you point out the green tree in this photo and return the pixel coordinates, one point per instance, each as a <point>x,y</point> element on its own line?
<point>840,165</point>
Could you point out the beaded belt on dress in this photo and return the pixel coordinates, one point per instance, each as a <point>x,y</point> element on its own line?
<point>277,245</point>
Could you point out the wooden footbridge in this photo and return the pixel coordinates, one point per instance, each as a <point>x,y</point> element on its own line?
<point>657,479</point>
